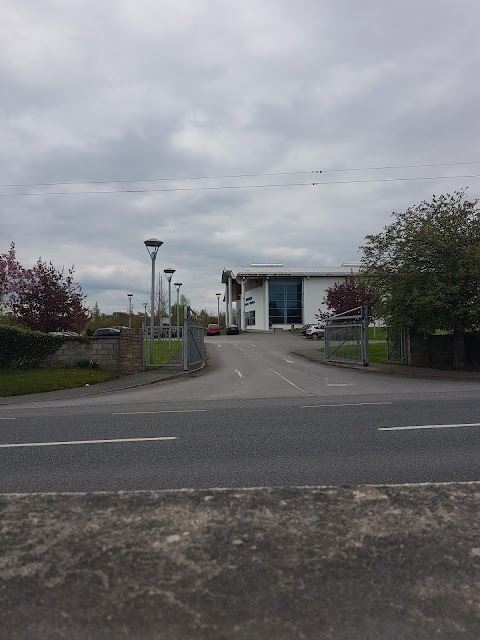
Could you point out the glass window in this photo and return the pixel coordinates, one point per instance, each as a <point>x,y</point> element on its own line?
<point>285,301</point>
<point>250,318</point>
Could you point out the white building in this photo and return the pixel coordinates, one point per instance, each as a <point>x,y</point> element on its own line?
<point>273,296</point>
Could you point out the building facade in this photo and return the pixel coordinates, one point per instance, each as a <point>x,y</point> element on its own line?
<point>268,297</point>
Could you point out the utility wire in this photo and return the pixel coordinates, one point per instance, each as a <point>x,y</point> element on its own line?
<point>239,175</point>
<point>244,186</point>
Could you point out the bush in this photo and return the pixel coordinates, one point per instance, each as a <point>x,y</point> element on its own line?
<point>22,348</point>
<point>87,364</point>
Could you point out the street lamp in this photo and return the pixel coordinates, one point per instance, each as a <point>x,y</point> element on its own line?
<point>169,273</point>
<point>153,245</point>
<point>218,307</point>
<point>177,286</point>
<point>145,316</point>
<point>129,296</point>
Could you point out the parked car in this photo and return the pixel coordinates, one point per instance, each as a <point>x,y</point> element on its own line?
<point>306,326</point>
<point>315,331</point>
<point>232,330</point>
<point>107,331</point>
<point>64,334</point>
<point>213,330</point>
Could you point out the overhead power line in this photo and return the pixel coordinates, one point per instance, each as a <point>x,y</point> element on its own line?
<point>243,186</point>
<point>238,175</point>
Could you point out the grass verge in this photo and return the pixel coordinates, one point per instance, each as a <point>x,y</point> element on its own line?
<point>377,352</point>
<point>162,353</point>
<point>16,382</point>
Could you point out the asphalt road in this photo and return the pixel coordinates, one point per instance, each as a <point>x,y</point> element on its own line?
<point>257,416</point>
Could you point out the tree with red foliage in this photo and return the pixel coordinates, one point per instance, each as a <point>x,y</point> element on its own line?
<point>48,299</point>
<point>11,272</point>
<point>347,295</point>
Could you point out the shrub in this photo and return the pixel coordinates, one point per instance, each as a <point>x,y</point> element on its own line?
<point>87,364</point>
<point>22,348</point>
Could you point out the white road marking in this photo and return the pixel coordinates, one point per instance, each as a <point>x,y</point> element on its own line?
<point>290,382</point>
<point>339,384</point>
<point>430,426</point>
<point>344,404</point>
<point>74,442</point>
<point>7,418</point>
<point>135,413</point>
<point>219,345</point>
<point>289,361</point>
<point>238,373</point>
<point>252,345</point>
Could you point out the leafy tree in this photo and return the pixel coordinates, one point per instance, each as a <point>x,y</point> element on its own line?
<point>351,293</point>
<point>95,313</point>
<point>48,299</point>
<point>426,268</point>
<point>11,273</point>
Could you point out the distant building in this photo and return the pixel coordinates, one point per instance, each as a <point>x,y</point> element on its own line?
<point>273,296</point>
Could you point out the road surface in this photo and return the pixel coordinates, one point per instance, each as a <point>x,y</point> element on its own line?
<point>256,416</point>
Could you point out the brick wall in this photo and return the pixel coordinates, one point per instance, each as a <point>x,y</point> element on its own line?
<point>122,353</point>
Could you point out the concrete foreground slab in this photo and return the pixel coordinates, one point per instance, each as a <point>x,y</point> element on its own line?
<point>341,563</point>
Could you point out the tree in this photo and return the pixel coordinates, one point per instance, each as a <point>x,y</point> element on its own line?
<point>48,299</point>
<point>426,268</point>
<point>349,294</point>
<point>11,272</point>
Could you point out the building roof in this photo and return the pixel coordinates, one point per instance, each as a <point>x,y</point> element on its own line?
<point>261,271</point>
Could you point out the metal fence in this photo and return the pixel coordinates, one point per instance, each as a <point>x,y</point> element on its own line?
<point>183,352</point>
<point>161,351</point>
<point>346,337</point>
<point>193,344</point>
<point>396,346</point>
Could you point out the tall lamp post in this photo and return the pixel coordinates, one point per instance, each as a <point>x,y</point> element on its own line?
<point>145,316</point>
<point>218,307</point>
<point>177,286</point>
<point>153,245</point>
<point>129,296</point>
<point>169,273</point>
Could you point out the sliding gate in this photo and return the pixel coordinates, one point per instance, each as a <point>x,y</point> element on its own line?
<point>346,337</point>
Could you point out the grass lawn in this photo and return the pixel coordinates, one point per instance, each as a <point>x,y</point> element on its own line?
<point>380,333</point>
<point>377,352</point>
<point>15,382</point>
<point>162,354</point>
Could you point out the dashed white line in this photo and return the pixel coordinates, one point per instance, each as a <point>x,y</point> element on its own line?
<point>290,382</point>
<point>135,413</point>
<point>289,361</point>
<point>77,442</point>
<point>338,384</point>
<point>7,418</point>
<point>238,373</point>
<point>345,404</point>
<point>429,426</point>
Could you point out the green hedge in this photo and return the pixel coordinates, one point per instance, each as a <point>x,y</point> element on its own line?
<point>22,348</point>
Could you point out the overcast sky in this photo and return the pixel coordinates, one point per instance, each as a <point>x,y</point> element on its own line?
<point>142,91</point>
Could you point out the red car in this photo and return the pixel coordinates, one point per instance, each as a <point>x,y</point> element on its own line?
<point>213,330</point>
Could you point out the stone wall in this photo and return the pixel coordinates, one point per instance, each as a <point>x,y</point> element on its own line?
<point>118,353</point>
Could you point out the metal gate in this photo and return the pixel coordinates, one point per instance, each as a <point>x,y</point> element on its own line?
<point>193,344</point>
<point>346,337</point>
<point>159,350</point>
<point>396,346</point>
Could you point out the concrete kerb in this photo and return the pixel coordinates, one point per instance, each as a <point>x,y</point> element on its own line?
<point>392,369</point>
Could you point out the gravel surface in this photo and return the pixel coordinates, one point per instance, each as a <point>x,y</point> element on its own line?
<point>300,563</point>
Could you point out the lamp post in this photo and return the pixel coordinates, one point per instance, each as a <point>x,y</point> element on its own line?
<point>153,245</point>
<point>145,316</point>
<point>218,307</point>
<point>169,273</point>
<point>129,296</point>
<point>177,286</point>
